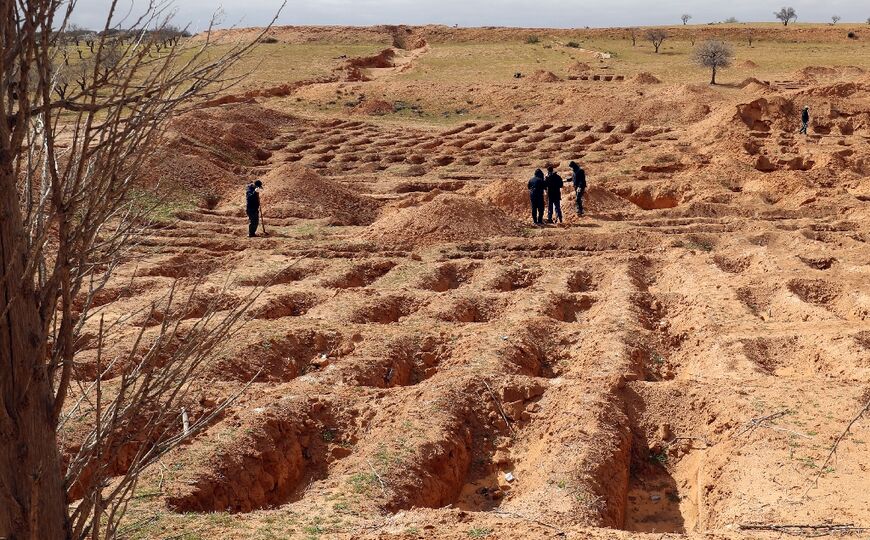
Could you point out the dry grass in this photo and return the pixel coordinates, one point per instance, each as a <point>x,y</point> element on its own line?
<point>448,83</point>
<point>281,63</point>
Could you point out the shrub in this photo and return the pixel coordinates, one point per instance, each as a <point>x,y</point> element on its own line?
<point>852,35</point>
<point>531,40</point>
<point>268,40</point>
<point>573,45</point>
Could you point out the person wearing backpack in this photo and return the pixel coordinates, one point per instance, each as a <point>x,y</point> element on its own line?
<point>252,206</point>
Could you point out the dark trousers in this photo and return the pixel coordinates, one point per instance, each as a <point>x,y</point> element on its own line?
<point>804,126</point>
<point>538,210</point>
<point>253,221</point>
<point>579,203</point>
<point>557,204</point>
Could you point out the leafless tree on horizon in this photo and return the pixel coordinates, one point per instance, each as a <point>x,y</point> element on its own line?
<point>656,36</point>
<point>715,55</point>
<point>786,15</point>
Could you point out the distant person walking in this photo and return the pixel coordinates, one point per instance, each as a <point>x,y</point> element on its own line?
<point>805,120</point>
<point>252,207</point>
<point>554,194</point>
<point>578,179</point>
<point>537,186</point>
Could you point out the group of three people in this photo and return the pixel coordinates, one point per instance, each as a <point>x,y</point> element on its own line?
<point>552,185</point>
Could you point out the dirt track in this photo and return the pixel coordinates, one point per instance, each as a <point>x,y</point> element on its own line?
<point>678,361</point>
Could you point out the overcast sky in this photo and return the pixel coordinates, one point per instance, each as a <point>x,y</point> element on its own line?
<point>530,13</point>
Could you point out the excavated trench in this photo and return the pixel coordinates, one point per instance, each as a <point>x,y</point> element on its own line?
<point>284,358</point>
<point>293,304</point>
<point>567,308</point>
<point>665,471</point>
<point>472,309</point>
<point>360,275</point>
<point>646,199</point>
<point>447,277</point>
<point>406,361</point>
<point>271,463</point>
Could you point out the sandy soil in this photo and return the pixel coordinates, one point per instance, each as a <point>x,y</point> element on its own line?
<point>679,361</point>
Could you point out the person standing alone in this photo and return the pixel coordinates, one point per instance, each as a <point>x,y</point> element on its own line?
<point>537,186</point>
<point>805,120</point>
<point>252,207</point>
<point>554,194</point>
<point>578,179</point>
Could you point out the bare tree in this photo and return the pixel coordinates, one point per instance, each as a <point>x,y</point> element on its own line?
<point>835,19</point>
<point>714,55</point>
<point>685,17</point>
<point>632,32</point>
<point>70,154</point>
<point>656,36</point>
<point>786,15</point>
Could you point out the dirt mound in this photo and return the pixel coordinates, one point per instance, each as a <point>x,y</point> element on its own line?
<point>447,218</point>
<point>234,134</point>
<point>752,83</point>
<point>544,76</point>
<point>748,64</point>
<point>373,107</point>
<point>579,68</point>
<point>646,78</point>
<point>510,196</point>
<point>383,59</point>
<point>761,114</point>
<point>354,74</point>
<point>813,72</point>
<point>207,147</point>
<point>190,173</point>
<point>599,200</point>
<point>840,90</point>
<point>296,191</point>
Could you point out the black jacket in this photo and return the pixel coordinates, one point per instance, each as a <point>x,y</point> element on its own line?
<point>252,199</point>
<point>537,185</point>
<point>805,116</point>
<point>554,186</point>
<point>579,179</point>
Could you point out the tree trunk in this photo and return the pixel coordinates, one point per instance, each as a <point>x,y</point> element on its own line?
<point>32,496</point>
<point>713,80</point>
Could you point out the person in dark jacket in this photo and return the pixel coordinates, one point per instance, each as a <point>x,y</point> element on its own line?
<point>805,120</point>
<point>252,206</point>
<point>578,179</point>
<point>554,194</point>
<point>537,186</point>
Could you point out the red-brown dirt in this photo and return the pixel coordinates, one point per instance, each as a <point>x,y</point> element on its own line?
<point>426,363</point>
